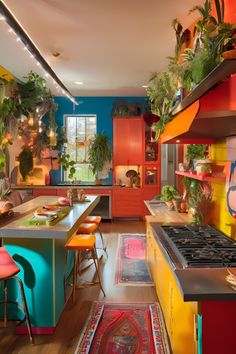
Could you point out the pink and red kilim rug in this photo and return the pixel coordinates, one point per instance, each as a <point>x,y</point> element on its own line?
<point>131,267</point>
<point>124,328</point>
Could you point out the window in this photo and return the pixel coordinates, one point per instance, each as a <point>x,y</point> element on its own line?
<point>80,129</point>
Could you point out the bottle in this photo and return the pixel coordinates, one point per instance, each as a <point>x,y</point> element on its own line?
<point>70,197</point>
<point>47,179</point>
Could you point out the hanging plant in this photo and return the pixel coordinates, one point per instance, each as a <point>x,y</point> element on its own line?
<point>25,162</point>
<point>99,152</point>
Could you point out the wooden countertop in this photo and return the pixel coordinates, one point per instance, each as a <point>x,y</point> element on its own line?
<point>162,215</point>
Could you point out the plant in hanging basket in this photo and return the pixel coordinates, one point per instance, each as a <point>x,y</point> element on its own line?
<point>99,153</point>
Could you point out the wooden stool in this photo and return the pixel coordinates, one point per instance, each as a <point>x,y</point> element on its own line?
<point>91,225</point>
<point>8,270</point>
<point>83,243</point>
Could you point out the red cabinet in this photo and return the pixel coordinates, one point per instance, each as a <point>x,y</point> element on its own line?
<point>128,141</point>
<point>133,144</point>
<point>126,202</point>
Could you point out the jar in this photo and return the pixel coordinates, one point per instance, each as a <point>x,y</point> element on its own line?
<point>204,167</point>
<point>81,195</point>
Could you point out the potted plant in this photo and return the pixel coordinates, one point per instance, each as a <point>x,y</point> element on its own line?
<point>99,153</point>
<point>162,91</point>
<point>168,194</point>
<point>195,152</point>
<point>204,167</point>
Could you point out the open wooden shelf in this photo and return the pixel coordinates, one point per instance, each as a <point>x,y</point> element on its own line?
<point>217,178</point>
<point>221,72</point>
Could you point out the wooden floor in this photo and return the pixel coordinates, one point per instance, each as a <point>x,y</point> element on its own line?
<point>67,333</point>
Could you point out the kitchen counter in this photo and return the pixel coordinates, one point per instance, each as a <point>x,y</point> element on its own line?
<point>198,304</point>
<point>196,284</point>
<point>161,214</point>
<point>60,186</point>
<point>40,253</point>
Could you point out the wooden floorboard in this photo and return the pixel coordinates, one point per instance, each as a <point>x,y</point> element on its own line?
<point>66,336</point>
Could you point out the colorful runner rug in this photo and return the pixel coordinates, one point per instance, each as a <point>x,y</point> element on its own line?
<point>120,328</point>
<point>131,267</point>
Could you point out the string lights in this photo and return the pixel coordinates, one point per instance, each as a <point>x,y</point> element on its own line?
<point>15,28</point>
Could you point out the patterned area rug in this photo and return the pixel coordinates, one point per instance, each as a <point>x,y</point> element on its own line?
<point>131,267</point>
<point>122,328</point>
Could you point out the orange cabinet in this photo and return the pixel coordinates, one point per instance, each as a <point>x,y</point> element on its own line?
<point>126,202</point>
<point>128,141</point>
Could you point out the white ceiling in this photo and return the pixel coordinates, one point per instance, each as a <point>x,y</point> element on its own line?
<point>111,46</point>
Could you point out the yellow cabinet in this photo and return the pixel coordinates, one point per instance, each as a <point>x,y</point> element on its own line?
<point>179,315</point>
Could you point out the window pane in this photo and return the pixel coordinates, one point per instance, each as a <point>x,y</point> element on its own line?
<point>80,129</point>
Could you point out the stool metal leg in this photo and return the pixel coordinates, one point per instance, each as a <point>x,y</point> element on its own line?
<point>25,307</point>
<point>96,263</point>
<point>102,239</point>
<point>5,303</point>
<point>75,275</point>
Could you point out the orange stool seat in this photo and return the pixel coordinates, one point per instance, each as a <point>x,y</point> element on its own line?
<point>91,227</point>
<point>93,219</point>
<point>8,270</point>
<point>83,243</point>
<point>86,228</point>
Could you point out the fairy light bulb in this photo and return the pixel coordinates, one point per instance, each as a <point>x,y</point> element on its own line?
<point>52,137</point>
<point>31,121</point>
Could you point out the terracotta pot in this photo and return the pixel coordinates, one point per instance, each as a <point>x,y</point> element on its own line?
<point>170,205</point>
<point>229,54</point>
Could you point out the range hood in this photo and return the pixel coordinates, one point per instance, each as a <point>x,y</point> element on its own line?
<point>208,112</point>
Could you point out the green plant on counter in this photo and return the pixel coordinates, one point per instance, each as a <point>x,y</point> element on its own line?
<point>99,152</point>
<point>25,162</point>
<point>199,199</point>
<point>168,193</point>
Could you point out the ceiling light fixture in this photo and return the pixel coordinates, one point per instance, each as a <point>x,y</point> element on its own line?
<point>79,82</point>
<point>15,27</point>
<point>145,86</point>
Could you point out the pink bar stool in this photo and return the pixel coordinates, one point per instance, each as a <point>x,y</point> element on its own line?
<point>8,270</point>
<point>95,220</point>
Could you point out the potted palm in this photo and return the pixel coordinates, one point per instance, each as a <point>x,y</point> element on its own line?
<point>99,153</point>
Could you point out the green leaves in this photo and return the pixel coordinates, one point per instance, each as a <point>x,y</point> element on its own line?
<point>99,152</point>
<point>68,165</point>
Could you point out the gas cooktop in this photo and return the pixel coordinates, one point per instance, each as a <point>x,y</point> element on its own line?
<point>200,246</point>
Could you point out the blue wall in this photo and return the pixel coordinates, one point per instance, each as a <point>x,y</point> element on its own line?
<point>103,107</point>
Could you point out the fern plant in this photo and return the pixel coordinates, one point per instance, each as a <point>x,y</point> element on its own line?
<point>99,152</point>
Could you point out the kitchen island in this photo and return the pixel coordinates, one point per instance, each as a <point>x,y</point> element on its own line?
<point>198,304</point>
<point>39,251</point>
